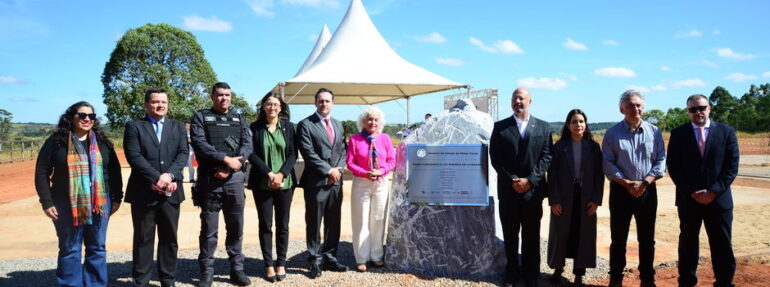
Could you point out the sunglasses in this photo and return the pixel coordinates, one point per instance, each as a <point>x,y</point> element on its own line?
<point>83,116</point>
<point>693,110</point>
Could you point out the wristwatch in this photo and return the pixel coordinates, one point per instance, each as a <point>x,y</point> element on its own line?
<point>645,182</point>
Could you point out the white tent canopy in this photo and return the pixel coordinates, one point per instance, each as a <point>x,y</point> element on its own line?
<point>360,67</point>
<point>320,44</point>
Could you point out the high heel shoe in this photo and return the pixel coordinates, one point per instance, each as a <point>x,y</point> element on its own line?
<point>280,277</point>
<point>268,277</point>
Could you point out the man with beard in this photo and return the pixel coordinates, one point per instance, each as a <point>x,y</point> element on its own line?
<point>520,151</point>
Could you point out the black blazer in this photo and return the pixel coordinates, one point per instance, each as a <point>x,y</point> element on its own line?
<point>714,171</point>
<point>149,159</point>
<point>319,154</point>
<point>514,157</point>
<point>259,167</point>
<point>52,176</point>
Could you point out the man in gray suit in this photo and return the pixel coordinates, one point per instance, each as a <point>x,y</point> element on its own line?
<point>321,141</point>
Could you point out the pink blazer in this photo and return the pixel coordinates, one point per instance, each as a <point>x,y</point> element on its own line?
<point>358,154</point>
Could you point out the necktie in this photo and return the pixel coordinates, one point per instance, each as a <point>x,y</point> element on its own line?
<point>702,140</point>
<point>158,130</point>
<point>329,131</point>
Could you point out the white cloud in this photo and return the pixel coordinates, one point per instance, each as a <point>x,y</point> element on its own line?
<point>450,62</point>
<point>572,45</point>
<point>501,47</point>
<point>665,68</point>
<point>766,75</point>
<point>740,77</point>
<point>10,80</point>
<point>615,72</point>
<point>640,89</point>
<point>658,88</point>
<point>434,37</point>
<point>542,83</point>
<point>730,54</point>
<point>213,24</point>
<point>709,64</point>
<point>23,100</point>
<point>688,34</point>
<point>716,32</point>
<point>261,7</point>
<point>313,3</point>
<point>610,42</point>
<point>570,76</point>
<point>688,83</point>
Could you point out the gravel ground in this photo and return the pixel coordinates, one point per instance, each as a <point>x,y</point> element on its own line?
<point>42,271</point>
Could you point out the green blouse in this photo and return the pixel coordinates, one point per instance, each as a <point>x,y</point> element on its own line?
<point>274,146</point>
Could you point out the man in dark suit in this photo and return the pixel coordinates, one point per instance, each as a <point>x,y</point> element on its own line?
<point>156,149</point>
<point>321,141</point>
<point>520,150</point>
<point>703,162</point>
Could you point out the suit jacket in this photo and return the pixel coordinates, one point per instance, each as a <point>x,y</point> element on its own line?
<point>514,157</point>
<point>715,171</point>
<point>149,159</point>
<point>319,154</point>
<point>259,167</point>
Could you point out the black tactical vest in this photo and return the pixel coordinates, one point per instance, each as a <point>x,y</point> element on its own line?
<point>223,131</point>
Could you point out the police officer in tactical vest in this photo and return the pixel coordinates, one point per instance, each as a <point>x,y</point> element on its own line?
<point>222,143</point>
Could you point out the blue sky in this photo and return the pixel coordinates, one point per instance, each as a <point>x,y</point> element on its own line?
<point>571,54</point>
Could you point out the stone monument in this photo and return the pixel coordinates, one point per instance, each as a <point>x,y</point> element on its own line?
<point>445,240</point>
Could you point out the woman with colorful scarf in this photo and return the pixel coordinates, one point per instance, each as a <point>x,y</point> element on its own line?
<point>370,158</point>
<point>272,180</point>
<point>78,180</point>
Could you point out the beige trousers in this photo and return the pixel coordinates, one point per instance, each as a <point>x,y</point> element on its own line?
<point>367,204</point>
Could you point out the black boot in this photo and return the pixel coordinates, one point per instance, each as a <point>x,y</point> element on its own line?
<point>556,277</point>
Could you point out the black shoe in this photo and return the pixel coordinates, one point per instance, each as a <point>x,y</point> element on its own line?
<point>531,283</point>
<point>335,266</point>
<point>647,284</point>
<point>578,281</point>
<point>315,271</point>
<point>616,283</point>
<point>556,277</point>
<point>206,280</point>
<point>238,277</point>
<point>169,284</point>
<point>280,277</point>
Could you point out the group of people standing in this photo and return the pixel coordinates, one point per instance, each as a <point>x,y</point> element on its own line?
<point>702,161</point>
<point>79,182</point>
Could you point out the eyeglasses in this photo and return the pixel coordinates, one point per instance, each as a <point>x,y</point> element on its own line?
<point>83,116</point>
<point>693,110</point>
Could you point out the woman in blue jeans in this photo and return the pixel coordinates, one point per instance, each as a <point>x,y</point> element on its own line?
<point>78,180</point>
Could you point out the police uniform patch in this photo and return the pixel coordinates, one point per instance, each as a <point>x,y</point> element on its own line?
<point>224,119</point>
<point>209,118</point>
<point>236,119</point>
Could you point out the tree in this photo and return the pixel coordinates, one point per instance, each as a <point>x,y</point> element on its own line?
<point>675,117</point>
<point>5,125</point>
<point>722,105</point>
<point>655,117</point>
<point>159,56</point>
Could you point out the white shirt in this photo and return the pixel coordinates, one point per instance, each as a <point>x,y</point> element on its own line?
<point>323,120</point>
<point>522,124</point>
<point>706,128</point>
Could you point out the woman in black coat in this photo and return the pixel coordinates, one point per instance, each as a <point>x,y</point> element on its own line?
<point>78,180</point>
<point>272,179</point>
<point>575,190</point>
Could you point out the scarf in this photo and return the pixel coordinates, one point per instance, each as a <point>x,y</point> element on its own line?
<point>86,176</point>
<point>374,162</point>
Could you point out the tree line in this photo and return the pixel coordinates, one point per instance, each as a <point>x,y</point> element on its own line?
<point>749,113</point>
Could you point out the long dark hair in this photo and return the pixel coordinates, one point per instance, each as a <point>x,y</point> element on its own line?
<point>283,115</point>
<point>566,134</point>
<point>65,125</point>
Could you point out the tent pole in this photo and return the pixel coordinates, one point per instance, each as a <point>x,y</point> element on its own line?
<point>407,111</point>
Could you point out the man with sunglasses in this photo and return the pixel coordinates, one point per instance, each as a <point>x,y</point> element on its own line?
<point>156,149</point>
<point>703,162</point>
<point>634,158</point>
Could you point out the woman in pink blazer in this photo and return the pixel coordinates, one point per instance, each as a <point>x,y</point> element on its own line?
<point>370,158</point>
